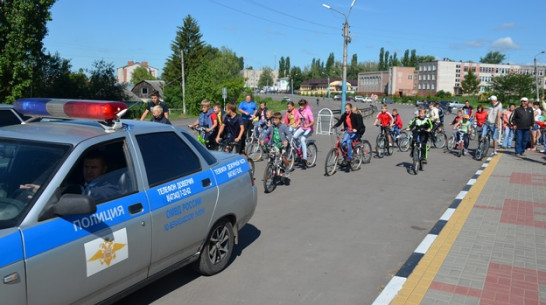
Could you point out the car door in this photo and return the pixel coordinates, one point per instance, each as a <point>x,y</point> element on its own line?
<point>86,258</point>
<point>12,267</point>
<point>182,193</point>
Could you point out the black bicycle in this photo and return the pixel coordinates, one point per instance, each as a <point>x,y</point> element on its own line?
<point>483,144</point>
<point>416,153</point>
<point>382,145</point>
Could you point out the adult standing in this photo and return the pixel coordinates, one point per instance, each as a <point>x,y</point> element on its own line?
<point>493,122</point>
<point>508,129</point>
<point>155,102</point>
<point>523,119</point>
<point>248,110</point>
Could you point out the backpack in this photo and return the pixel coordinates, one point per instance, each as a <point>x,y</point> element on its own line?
<point>441,114</point>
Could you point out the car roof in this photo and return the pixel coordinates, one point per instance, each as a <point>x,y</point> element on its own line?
<point>6,106</point>
<point>74,131</point>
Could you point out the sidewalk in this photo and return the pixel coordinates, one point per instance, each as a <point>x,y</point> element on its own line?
<point>489,247</point>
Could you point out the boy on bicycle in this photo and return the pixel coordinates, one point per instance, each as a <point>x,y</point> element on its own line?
<point>397,122</point>
<point>420,126</point>
<point>386,120</point>
<point>208,119</point>
<point>279,135</point>
<point>233,126</point>
<point>466,127</point>
<point>353,124</point>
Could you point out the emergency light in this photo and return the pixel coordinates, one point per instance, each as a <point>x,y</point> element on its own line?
<point>69,109</point>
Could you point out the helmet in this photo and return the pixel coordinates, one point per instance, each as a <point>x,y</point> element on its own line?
<point>466,116</point>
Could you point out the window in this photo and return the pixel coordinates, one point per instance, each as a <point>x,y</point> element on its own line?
<point>432,86</point>
<point>433,77</point>
<point>144,90</point>
<point>201,148</point>
<point>410,77</point>
<point>166,157</point>
<point>7,117</point>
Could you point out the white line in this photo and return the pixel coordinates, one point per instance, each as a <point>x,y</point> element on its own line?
<point>390,291</point>
<point>461,195</point>
<point>485,165</point>
<point>471,182</point>
<point>479,172</point>
<point>447,214</point>
<point>426,243</point>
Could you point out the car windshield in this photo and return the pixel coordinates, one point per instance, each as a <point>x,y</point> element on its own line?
<point>25,169</point>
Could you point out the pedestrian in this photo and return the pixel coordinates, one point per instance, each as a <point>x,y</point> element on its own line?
<point>155,102</point>
<point>523,120</point>
<point>318,100</point>
<point>535,132</point>
<point>158,115</point>
<point>508,129</point>
<point>248,110</point>
<point>493,122</point>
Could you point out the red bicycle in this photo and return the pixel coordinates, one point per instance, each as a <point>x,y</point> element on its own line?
<point>362,153</point>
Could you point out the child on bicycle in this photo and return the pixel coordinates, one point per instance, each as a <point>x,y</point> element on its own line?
<point>386,120</point>
<point>260,118</point>
<point>233,126</point>
<point>480,116</point>
<point>290,116</point>
<point>207,118</point>
<point>397,122</point>
<point>279,135</point>
<point>420,126</point>
<point>466,127</point>
<point>353,126</point>
<point>305,122</point>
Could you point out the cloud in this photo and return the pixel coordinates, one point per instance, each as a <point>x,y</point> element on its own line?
<point>505,26</point>
<point>504,44</point>
<point>478,43</point>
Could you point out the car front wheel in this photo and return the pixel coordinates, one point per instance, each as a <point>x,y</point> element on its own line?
<point>217,250</point>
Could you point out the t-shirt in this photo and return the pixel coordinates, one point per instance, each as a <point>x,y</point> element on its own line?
<point>464,126</point>
<point>348,123</point>
<point>385,118</point>
<point>249,107</point>
<point>467,110</point>
<point>151,105</point>
<point>232,126</point>
<point>494,111</point>
<point>481,117</point>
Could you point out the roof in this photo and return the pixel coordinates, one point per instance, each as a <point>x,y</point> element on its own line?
<point>157,85</point>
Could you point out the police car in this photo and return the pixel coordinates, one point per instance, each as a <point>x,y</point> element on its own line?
<point>91,208</point>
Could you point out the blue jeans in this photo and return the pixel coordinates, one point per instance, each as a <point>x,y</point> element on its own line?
<point>303,135</point>
<point>508,137</point>
<point>522,139</point>
<point>494,131</point>
<point>347,142</point>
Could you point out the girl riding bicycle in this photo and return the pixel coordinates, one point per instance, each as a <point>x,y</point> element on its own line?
<point>305,121</point>
<point>354,126</point>
<point>466,128</point>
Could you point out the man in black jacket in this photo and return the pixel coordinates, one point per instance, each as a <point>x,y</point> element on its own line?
<point>523,119</point>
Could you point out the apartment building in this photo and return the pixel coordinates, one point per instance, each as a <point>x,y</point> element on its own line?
<point>124,74</point>
<point>253,76</point>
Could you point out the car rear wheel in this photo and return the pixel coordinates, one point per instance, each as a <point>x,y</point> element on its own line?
<point>217,250</point>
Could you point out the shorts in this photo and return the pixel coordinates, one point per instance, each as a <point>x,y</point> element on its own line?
<point>493,128</point>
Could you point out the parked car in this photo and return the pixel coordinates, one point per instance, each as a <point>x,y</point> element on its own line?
<point>10,116</point>
<point>338,98</point>
<point>367,99</point>
<point>89,211</point>
<point>456,105</point>
<point>387,100</point>
<point>359,98</point>
<point>286,99</point>
<point>445,106</point>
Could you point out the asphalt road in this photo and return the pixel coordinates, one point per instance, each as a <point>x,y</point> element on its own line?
<point>327,240</point>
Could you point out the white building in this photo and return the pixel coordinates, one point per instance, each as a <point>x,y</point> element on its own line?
<point>253,76</point>
<point>126,73</point>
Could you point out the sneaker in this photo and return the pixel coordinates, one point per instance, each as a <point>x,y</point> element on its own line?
<point>542,150</point>
<point>494,153</point>
<point>466,151</point>
<point>390,143</point>
<point>424,161</point>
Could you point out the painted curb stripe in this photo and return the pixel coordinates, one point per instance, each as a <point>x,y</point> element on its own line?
<point>397,282</point>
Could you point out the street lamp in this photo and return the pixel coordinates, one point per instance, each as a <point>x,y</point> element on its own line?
<point>346,40</point>
<point>536,73</point>
<point>328,84</point>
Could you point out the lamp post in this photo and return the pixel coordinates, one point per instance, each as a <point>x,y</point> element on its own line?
<point>346,40</point>
<point>536,74</point>
<point>328,84</point>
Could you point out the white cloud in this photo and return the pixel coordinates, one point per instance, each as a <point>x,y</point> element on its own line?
<point>505,26</point>
<point>504,44</point>
<point>474,43</point>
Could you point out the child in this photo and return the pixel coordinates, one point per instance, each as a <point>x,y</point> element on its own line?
<point>466,128</point>
<point>261,119</point>
<point>158,115</point>
<point>279,136</point>
<point>267,123</point>
<point>480,116</point>
<point>305,122</point>
<point>456,120</point>
<point>397,122</point>
<point>386,120</point>
<point>290,116</point>
<point>233,126</point>
<point>207,118</point>
<point>421,125</point>
<point>352,125</point>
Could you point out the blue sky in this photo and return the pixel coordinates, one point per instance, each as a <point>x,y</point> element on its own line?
<point>263,31</point>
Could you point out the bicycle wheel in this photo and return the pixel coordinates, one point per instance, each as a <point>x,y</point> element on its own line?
<point>441,140</point>
<point>269,179</point>
<point>291,158</point>
<point>478,155</point>
<point>251,165</point>
<point>486,145</point>
<point>451,144</point>
<point>311,155</point>
<point>403,141</point>
<point>472,134</point>
<point>416,161</point>
<point>331,162</point>
<point>254,150</point>
<point>380,146</point>
<point>366,151</point>
<point>356,161</point>
<point>389,147</point>
<point>460,147</point>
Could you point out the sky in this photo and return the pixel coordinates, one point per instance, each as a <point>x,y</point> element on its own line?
<point>262,32</point>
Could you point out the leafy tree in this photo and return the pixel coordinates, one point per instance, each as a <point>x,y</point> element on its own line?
<point>287,66</point>
<point>470,83</point>
<point>442,94</point>
<point>282,67</point>
<point>382,65</point>
<point>353,68</point>
<point>413,59</point>
<point>140,74</point>
<point>330,62</point>
<point>386,61</point>
<point>23,27</point>
<point>102,83</point>
<point>493,58</point>
<point>297,77</point>
<point>266,78</point>
<point>406,59</point>
<point>513,86</point>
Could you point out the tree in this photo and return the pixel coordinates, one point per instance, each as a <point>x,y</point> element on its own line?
<point>23,27</point>
<point>386,61</point>
<point>282,67</point>
<point>406,59</point>
<point>140,74</point>
<point>287,65</point>
<point>470,83</point>
<point>413,59</point>
<point>381,66</point>
<point>493,58</point>
<point>296,76</point>
<point>330,62</point>
<point>353,68</point>
<point>266,78</point>
<point>512,86</point>
<point>102,83</point>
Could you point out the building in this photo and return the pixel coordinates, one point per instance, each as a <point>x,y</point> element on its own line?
<point>145,88</point>
<point>252,77</point>
<point>401,81</point>
<point>320,86</point>
<point>125,73</point>
<point>376,82</point>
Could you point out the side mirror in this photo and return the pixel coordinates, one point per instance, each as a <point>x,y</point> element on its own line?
<point>75,204</point>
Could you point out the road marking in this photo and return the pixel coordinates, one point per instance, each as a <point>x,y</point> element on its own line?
<point>447,214</point>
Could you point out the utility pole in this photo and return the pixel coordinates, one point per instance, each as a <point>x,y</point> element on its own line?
<point>183,81</point>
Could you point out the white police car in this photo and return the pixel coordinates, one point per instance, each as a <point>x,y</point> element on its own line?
<point>91,209</point>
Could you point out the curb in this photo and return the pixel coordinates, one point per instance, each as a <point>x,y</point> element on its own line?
<point>395,284</point>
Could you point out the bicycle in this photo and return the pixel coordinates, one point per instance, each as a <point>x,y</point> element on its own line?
<point>383,146</point>
<point>201,136</point>
<point>361,154</point>
<point>253,149</point>
<point>295,153</point>
<point>457,145</point>
<point>230,146</point>
<point>483,145</point>
<point>273,169</point>
<point>401,140</point>
<point>417,158</point>
<point>438,137</point>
